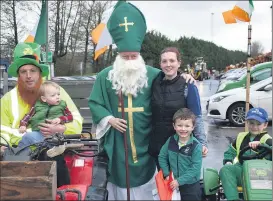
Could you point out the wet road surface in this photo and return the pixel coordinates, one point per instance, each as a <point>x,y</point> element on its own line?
<point>219,133</point>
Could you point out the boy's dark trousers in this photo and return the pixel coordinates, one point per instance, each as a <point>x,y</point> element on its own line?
<point>190,191</point>
<point>157,163</point>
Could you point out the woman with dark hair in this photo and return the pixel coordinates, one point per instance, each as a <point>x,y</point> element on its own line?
<point>170,92</point>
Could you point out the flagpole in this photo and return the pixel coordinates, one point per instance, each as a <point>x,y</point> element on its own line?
<point>248,70</point>
<point>46,59</point>
<point>212,27</point>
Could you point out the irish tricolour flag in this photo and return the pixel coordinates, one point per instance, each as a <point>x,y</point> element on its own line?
<point>101,36</point>
<point>242,11</point>
<point>38,33</point>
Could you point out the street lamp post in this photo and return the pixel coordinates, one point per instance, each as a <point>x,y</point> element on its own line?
<point>271,28</point>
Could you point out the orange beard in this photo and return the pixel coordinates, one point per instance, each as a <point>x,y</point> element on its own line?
<point>29,96</point>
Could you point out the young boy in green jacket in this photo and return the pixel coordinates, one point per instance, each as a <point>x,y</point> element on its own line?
<point>231,172</point>
<point>182,154</point>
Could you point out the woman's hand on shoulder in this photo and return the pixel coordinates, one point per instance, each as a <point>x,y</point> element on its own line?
<point>189,78</point>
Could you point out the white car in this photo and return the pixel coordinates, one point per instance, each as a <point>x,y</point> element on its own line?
<point>231,104</point>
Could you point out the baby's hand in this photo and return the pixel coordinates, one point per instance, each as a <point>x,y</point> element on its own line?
<point>2,149</point>
<point>254,144</point>
<point>174,184</point>
<point>56,121</point>
<point>22,129</point>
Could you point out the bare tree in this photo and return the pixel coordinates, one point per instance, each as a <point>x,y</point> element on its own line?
<point>74,37</point>
<point>62,22</point>
<point>87,26</point>
<point>12,24</point>
<point>256,48</point>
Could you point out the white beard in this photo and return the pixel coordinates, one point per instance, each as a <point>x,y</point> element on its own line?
<point>129,76</point>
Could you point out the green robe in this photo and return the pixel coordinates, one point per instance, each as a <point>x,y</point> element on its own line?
<point>103,102</point>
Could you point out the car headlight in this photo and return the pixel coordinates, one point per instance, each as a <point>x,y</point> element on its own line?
<point>218,99</point>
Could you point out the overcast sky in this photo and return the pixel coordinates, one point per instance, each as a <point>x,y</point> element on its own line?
<point>194,18</point>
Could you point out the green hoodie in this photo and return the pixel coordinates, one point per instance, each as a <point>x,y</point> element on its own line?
<point>44,111</point>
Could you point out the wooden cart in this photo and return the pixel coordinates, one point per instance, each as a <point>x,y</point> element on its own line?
<point>31,180</point>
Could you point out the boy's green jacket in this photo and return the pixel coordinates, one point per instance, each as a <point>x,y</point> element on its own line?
<point>185,163</point>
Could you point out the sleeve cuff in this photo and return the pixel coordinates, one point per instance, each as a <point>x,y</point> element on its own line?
<point>227,160</point>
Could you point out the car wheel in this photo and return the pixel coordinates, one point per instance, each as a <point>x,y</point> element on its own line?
<point>236,114</point>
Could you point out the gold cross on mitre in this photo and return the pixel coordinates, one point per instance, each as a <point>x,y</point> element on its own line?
<point>126,24</point>
<point>130,110</point>
<point>28,51</point>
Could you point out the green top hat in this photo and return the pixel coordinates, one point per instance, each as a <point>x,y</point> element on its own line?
<point>127,26</point>
<point>27,53</point>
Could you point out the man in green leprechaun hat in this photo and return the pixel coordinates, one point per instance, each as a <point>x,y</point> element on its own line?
<point>129,81</point>
<point>17,103</point>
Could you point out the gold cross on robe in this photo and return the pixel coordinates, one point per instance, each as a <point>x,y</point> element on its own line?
<point>130,109</point>
<point>126,24</point>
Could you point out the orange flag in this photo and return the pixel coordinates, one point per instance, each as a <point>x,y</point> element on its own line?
<point>241,12</point>
<point>229,17</point>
